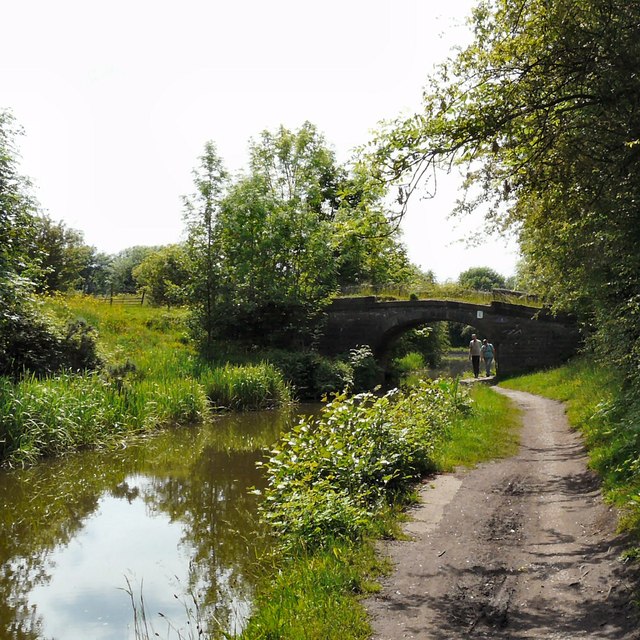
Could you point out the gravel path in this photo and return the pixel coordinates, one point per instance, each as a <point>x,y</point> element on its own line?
<point>517,548</point>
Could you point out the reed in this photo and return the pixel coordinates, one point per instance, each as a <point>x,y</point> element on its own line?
<point>246,387</point>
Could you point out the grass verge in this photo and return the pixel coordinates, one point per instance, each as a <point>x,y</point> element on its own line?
<point>490,431</point>
<point>314,596</point>
<point>608,416</point>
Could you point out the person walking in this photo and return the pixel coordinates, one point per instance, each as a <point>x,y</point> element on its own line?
<point>475,352</point>
<point>488,354</point>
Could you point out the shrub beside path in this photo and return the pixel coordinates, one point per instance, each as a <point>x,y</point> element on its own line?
<point>517,548</point>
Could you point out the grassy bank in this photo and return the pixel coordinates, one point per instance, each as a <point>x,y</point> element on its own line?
<point>488,432</point>
<point>339,484</point>
<point>151,377</point>
<point>609,418</point>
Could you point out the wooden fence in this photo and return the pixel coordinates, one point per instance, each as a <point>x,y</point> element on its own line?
<point>124,299</point>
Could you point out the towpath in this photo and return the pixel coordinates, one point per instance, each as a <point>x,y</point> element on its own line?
<point>517,548</point>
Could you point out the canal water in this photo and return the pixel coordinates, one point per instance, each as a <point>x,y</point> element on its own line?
<point>166,525</point>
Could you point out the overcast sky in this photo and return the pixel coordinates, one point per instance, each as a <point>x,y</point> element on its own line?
<point>118,98</point>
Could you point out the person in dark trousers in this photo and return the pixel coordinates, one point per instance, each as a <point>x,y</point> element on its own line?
<point>488,354</point>
<point>475,352</point>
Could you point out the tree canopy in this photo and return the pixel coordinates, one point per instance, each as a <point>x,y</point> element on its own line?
<point>29,341</point>
<point>481,279</point>
<point>272,246</point>
<point>542,111</point>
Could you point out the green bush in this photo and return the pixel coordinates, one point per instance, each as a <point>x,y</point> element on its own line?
<point>311,374</point>
<point>367,373</point>
<point>332,474</point>
<point>35,343</point>
<point>410,362</point>
<point>79,346</point>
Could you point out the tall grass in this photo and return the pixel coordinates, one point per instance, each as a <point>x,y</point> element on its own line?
<point>315,597</point>
<point>69,412</point>
<point>245,387</point>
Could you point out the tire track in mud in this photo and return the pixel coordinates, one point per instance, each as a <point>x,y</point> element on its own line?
<point>516,548</point>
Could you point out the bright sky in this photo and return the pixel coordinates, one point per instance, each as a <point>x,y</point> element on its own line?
<point>118,98</point>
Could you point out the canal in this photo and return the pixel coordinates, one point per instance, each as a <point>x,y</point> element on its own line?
<point>158,526</point>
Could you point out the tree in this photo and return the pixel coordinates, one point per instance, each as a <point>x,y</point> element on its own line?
<point>121,279</point>
<point>20,340</point>
<point>481,279</point>
<point>269,250</point>
<point>542,111</point>
<point>367,250</point>
<point>28,341</point>
<point>61,255</point>
<point>201,210</point>
<point>367,247</point>
<point>96,273</point>
<point>17,210</point>
<point>277,262</point>
<point>298,168</point>
<point>163,275</point>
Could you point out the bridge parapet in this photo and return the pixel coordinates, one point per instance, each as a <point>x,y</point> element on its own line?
<point>526,338</point>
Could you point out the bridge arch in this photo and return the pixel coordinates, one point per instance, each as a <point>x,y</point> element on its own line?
<point>525,338</point>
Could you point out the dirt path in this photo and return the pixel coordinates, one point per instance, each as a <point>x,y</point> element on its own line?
<point>517,548</point>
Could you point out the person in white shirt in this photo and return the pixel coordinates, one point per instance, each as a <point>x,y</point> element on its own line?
<point>475,351</point>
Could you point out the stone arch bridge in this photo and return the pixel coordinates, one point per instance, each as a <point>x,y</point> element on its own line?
<point>525,338</point>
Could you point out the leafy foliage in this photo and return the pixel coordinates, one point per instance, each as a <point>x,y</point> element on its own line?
<point>313,376</point>
<point>269,250</point>
<point>278,269</point>
<point>17,207</point>
<point>121,278</point>
<point>367,373</point>
<point>64,260</point>
<point>35,343</point>
<point>330,475</point>
<point>29,341</point>
<point>164,275</point>
<point>430,343</point>
<point>481,279</point>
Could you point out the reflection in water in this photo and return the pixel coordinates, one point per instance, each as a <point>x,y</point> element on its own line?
<point>453,365</point>
<point>171,514</point>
